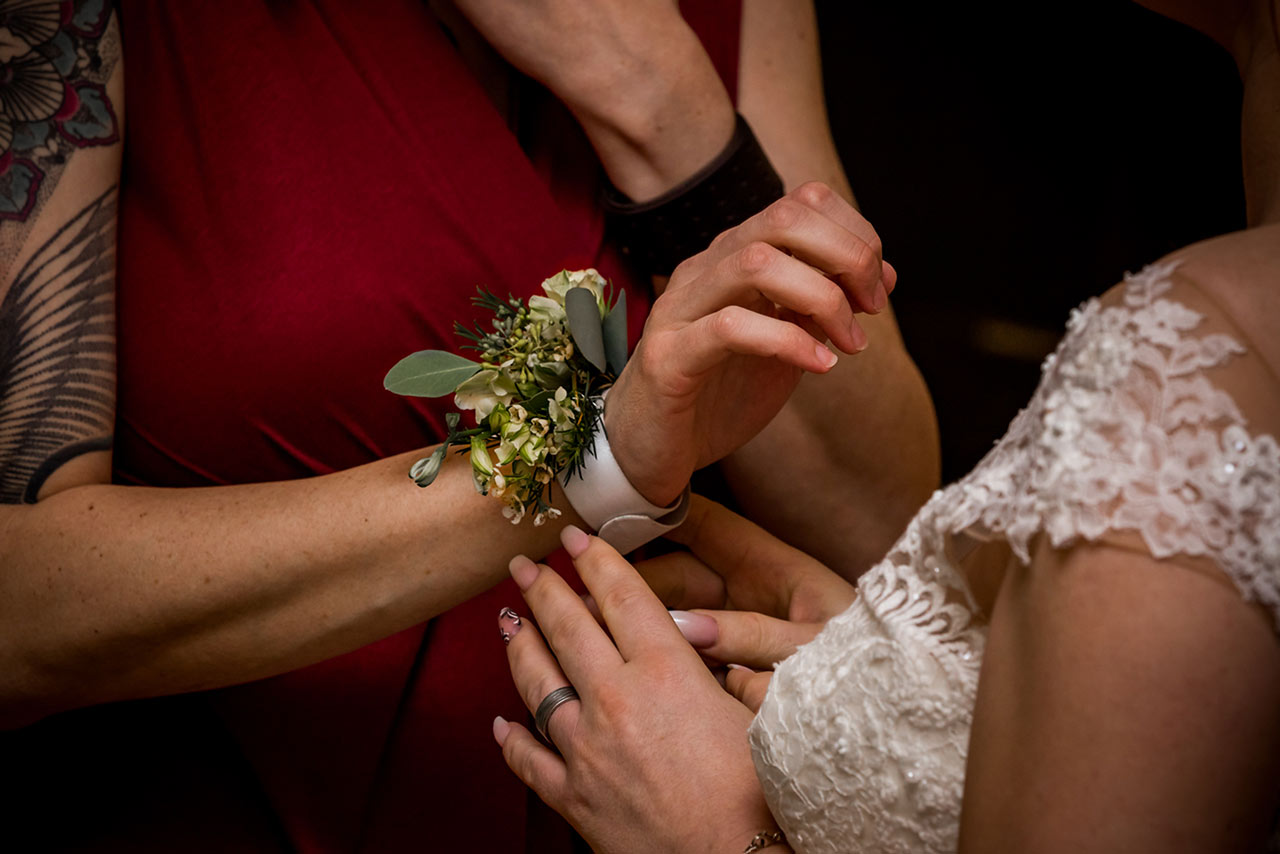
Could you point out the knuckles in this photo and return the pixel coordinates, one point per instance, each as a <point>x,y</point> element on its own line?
<point>755,258</point>
<point>728,323</point>
<point>814,194</point>
<point>784,214</point>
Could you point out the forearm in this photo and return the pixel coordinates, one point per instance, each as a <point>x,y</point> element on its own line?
<point>846,464</point>
<point>655,111</point>
<point>861,441</point>
<point>112,592</point>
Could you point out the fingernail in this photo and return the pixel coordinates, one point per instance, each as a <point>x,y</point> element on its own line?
<point>508,624</point>
<point>889,276</point>
<point>523,570</point>
<point>574,539</point>
<point>500,729</point>
<point>881,297</point>
<point>825,356</point>
<point>732,666</point>
<point>698,629</point>
<point>859,338</point>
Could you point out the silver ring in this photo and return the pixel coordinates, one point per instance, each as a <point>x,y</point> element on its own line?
<point>548,707</point>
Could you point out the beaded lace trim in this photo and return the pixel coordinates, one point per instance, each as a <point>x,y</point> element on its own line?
<point>861,742</point>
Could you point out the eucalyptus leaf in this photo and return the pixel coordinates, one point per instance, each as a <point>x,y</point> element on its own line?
<point>584,325</point>
<point>614,329</point>
<point>429,373</point>
<point>538,403</point>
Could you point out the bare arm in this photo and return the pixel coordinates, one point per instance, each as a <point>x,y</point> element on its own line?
<point>1125,704</point>
<point>862,440</point>
<point>110,592</point>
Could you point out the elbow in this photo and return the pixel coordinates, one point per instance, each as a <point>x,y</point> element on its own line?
<point>30,691</point>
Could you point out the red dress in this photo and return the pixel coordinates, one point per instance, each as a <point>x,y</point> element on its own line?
<point>311,191</point>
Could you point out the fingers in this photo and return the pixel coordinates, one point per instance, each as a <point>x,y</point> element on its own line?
<point>820,228</point>
<point>637,621</point>
<point>761,271</point>
<point>537,765</point>
<point>710,340</point>
<point>579,643</point>
<point>680,580</point>
<point>747,686</point>
<point>760,568</point>
<point>536,674</point>
<point>748,637</point>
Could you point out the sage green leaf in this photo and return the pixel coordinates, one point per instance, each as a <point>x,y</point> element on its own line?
<point>429,373</point>
<point>584,325</point>
<point>538,403</point>
<point>614,328</point>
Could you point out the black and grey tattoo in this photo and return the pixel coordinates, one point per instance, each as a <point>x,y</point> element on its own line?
<point>57,352</point>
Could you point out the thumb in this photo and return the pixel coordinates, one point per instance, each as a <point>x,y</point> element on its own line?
<point>743,637</point>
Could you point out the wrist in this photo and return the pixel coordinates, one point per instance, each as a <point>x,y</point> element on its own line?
<point>610,504</point>
<point>655,482</point>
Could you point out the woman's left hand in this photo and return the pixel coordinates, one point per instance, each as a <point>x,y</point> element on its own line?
<point>654,754</point>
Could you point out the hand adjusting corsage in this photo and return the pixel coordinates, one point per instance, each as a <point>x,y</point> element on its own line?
<point>538,397</point>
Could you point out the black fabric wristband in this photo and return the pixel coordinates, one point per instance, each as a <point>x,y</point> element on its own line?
<point>660,233</point>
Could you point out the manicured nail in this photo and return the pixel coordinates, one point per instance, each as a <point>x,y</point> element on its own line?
<point>523,570</point>
<point>574,539</point>
<point>699,630</point>
<point>881,297</point>
<point>508,624</point>
<point>859,338</point>
<point>500,729</point>
<point>825,356</point>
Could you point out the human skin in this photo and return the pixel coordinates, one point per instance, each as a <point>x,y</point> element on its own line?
<point>862,485</point>
<point>1125,703</point>
<point>113,592</point>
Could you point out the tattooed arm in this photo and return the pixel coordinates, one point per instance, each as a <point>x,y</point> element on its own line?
<point>58,169</point>
<point>110,592</point>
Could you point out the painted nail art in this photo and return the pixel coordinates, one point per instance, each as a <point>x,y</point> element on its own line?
<point>508,624</point>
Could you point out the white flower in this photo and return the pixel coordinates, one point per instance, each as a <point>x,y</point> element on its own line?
<point>548,312</point>
<point>561,283</point>
<point>482,392</point>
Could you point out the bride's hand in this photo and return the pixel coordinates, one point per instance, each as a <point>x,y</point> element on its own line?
<point>654,755</point>
<point>743,596</point>
<point>727,341</point>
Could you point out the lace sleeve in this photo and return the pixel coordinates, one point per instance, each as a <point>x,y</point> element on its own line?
<point>1153,419</point>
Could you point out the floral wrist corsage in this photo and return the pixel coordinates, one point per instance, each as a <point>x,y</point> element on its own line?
<point>535,391</point>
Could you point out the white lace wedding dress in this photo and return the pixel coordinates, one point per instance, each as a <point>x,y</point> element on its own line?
<point>861,742</point>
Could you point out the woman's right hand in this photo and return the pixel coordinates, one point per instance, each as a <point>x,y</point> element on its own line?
<point>728,340</point>
<point>743,596</point>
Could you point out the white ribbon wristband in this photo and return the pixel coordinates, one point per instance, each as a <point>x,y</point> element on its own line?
<point>607,501</point>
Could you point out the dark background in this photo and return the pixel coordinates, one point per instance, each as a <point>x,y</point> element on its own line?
<point>1016,159</point>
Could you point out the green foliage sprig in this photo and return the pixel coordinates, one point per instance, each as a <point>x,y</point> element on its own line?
<point>534,389</point>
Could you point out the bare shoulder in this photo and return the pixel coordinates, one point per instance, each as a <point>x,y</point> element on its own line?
<point>1240,272</point>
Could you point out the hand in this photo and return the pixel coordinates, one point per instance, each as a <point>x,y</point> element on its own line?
<point>756,598</point>
<point>654,755</point>
<point>727,341</point>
